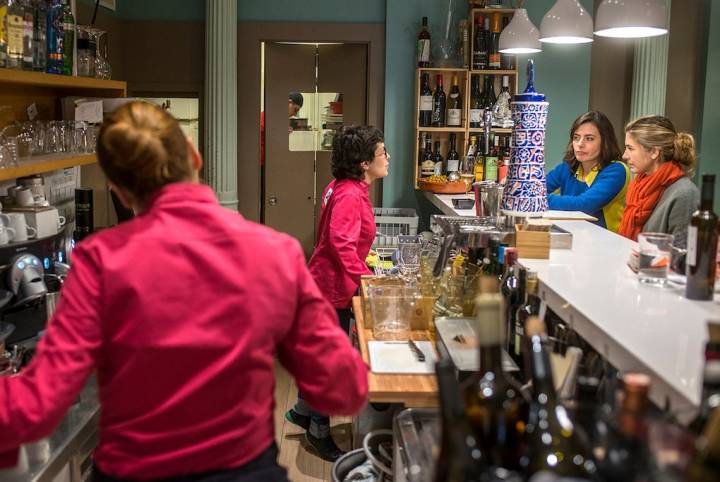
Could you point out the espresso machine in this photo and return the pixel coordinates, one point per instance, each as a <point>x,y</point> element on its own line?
<point>31,275</point>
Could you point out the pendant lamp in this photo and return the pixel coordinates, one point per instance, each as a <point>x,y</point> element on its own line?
<point>567,22</point>
<point>520,36</point>
<point>631,18</point>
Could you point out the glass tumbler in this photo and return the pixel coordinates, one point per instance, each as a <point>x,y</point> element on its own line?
<point>391,308</point>
<point>655,250</point>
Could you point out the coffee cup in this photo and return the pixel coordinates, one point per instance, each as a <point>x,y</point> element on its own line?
<point>24,197</point>
<point>22,231</point>
<point>47,222</point>
<point>7,234</point>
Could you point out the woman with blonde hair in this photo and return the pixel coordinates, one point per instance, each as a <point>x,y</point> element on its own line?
<point>662,197</point>
<point>182,327</point>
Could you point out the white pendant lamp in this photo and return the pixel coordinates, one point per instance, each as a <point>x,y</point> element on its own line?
<point>567,22</point>
<point>631,18</point>
<point>520,36</point>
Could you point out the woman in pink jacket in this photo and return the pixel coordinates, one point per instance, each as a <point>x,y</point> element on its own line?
<point>345,233</point>
<point>182,328</point>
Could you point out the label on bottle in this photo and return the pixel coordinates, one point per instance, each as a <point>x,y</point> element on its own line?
<point>427,168</point>
<point>454,117</point>
<point>15,31</point>
<point>453,165</point>
<point>519,332</point>
<point>438,169</point>
<point>692,235</point>
<point>479,170</point>
<point>423,50</point>
<point>3,34</point>
<point>426,102</point>
<point>68,27</point>
<point>476,116</point>
<point>494,61</point>
<point>491,170</point>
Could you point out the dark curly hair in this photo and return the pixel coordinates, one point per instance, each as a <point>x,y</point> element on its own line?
<point>352,146</point>
<point>609,150</point>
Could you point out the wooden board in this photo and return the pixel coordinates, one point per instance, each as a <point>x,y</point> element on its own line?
<point>411,390</point>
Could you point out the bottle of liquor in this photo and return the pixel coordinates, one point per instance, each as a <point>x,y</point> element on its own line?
<point>494,43</point>
<point>476,112</point>
<point>40,13</point>
<point>467,171</point>
<point>512,290</point>
<point>55,38</point>
<point>702,242</point>
<point>460,458</point>
<point>453,159</point>
<point>28,33</point>
<point>3,33</point>
<point>705,465</point>
<point>68,39</point>
<point>628,458</point>
<point>553,444</point>
<point>494,404</point>
<point>710,399</point>
<point>438,169</point>
<point>488,95</point>
<point>530,307</point>
<point>455,106</point>
<point>491,163</point>
<point>464,33</point>
<point>507,61</point>
<point>480,163</point>
<point>427,167</point>
<point>426,101</point>
<point>505,161</point>
<point>423,52</point>
<point>15,25</point>
<point>502,115</point>
<point>439,103</point>
<point>480,52</point>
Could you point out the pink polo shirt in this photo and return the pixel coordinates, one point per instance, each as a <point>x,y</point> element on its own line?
<point>182,312</point>
<point>345,234</point>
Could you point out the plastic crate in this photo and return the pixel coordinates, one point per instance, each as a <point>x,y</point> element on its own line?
<point>391,223</point>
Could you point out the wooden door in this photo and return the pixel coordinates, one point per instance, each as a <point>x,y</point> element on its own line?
<point>289,175</point>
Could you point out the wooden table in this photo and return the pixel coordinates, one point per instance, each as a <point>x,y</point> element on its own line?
<point>411,390</point>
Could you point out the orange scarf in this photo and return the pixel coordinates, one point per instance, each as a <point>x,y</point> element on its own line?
<point>643,194</point>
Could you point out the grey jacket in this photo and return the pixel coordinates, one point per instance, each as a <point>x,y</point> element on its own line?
<point>673,211</point>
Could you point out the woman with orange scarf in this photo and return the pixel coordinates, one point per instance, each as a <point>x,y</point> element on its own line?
<point>662,197</point>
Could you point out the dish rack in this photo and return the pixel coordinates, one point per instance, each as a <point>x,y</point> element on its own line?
<point>390,224</point>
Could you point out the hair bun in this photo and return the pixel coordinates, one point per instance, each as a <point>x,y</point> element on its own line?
<point>685,152</point>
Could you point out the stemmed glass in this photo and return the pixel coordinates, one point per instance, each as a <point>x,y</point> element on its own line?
<point>409,261</point>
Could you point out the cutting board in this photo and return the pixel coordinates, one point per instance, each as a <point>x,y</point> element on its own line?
<point>398,357</point>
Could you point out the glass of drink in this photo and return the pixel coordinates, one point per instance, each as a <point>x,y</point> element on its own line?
<point>655,251</point>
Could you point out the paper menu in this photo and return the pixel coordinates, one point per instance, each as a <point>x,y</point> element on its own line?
<point>397,357</point>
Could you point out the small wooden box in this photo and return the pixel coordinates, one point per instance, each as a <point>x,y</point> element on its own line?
<point>532,244</point>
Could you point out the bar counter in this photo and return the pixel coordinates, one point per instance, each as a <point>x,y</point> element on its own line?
<point>635,327</point>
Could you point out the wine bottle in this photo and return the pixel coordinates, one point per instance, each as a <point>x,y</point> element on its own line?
<point>491,163</point>
<point>476,112</point>
<point>460,458</point>
<point>710,399</point>
<point>68,39</point>
<point>423,52</point>
<point>437,160</point>
<point>494,404</point>
<point>28,35</point>
<point>426,101</point>
<point>480,54</point>
<point>553,445</point>
<point>705,465</point>
<point>480,163</point>
<point>505,161</point>
<point>507,61</point>
<point>494,61</point>
<point>488,95</point>
<point>15,26</point>
<point>454,112</point>
<point>628,458</point>
<point>40,36</point>
<point>530,307</point>
<point>514,292</point>
<point>427,168</point>
<point>702,242</point>
<point>453,159</point>
<point>439,103</point>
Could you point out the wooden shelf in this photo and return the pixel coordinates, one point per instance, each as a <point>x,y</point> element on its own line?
<point>46,163</point>
<point>506,11</point>
<point>441,69</point>
<point>499,130</point>
<point>493,72</point>
<point>63,82</point>
<point>441,129</point>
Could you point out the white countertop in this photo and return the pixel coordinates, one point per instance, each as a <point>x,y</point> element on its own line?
<point>636,327</point>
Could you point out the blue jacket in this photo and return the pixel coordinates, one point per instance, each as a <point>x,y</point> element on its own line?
<point>601,193</point>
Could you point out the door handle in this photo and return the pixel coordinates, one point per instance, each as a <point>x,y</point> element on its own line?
<point>273,200</point>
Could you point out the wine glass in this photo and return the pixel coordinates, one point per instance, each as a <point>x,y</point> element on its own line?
<point>409,261</point>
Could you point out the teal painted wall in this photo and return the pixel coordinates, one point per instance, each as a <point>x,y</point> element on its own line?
<point>562,74</point>
<point>368,11</point>
<point>709,147</point>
